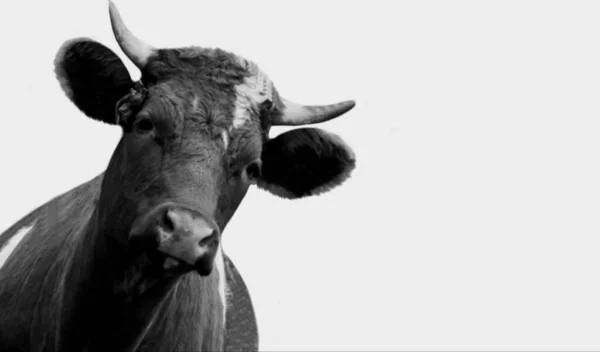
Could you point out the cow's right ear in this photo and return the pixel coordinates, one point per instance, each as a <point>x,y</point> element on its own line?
<point>93,77</point>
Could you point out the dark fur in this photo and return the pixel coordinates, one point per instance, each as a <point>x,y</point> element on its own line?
<point>302,161</point>
<point>73,283</point>
<point>97,78</point>
<point>41,249</point>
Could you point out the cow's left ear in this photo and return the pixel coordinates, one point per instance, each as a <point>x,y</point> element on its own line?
<point>93,77</point>
<point>304,162</point>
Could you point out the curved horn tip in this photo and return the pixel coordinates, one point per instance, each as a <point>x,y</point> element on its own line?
<point>112,9</point>
<point>136,50</point>
<point>348,104</point>
<point>296,114</point>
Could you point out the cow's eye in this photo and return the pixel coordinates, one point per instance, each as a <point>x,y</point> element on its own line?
<point>144,125</point>
<point>253,170</point>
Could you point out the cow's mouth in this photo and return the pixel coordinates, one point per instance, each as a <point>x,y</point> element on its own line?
<point>174,266</point>
<point>149,268</point>
<point>167,265</point>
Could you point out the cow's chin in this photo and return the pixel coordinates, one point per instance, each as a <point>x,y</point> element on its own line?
<point>153,268</point>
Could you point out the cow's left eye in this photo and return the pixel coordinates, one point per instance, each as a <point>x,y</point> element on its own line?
<point>144,125</point>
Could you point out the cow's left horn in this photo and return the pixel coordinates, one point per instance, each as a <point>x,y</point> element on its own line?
<point>135,49</point>
<point>296,114</point>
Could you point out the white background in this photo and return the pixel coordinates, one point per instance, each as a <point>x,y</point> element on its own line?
<point>472,219</point>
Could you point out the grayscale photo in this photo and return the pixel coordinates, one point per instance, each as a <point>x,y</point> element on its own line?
<point>300,176</point>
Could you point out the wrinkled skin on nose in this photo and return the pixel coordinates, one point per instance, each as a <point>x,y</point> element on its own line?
<point>187,237</point>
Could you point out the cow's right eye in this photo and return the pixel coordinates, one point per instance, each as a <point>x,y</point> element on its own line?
<point>254,169</point>
<point>144,125</point>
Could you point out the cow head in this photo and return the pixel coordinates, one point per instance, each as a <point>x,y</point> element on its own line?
<point>195,137</point>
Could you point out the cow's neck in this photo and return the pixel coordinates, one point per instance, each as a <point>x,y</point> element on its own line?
<point>108,304</point>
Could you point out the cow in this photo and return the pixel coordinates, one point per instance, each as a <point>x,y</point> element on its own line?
<point>131,260</point>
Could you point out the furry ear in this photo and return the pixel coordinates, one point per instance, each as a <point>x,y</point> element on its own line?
<point>92,76</point>
<point>304,162</point>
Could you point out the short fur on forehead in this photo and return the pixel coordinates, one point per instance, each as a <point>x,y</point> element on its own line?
<point>92,76</point>
<point>216,66</point>
<point>241,80</point>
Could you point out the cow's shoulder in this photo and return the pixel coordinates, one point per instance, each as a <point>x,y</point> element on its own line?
<point>30,275</point>
<point>58,209</point>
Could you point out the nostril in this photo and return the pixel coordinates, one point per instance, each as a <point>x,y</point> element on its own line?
<point>206,240</point>
<point>168,223</point>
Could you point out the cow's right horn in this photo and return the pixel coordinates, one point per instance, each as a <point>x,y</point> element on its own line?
<point>136,50</point>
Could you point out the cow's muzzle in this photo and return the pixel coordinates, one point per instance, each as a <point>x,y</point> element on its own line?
<point>186,237</point>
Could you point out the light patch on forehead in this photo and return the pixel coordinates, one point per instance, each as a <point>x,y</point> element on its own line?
<point>12,243</point>
<point>255,89</point>
<point>225,137</point>
<point>195,104</point>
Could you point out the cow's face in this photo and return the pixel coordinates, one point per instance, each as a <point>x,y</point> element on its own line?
<point>195,137</point>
